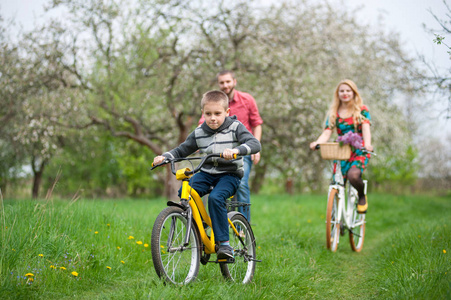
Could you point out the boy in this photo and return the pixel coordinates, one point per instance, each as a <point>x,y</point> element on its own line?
<point>218,134</point>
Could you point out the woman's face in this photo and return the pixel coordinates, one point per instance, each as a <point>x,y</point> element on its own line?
<point>345,93</point>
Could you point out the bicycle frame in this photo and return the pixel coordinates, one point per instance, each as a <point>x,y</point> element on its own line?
<point>348,202</point>
<point>199,213</point>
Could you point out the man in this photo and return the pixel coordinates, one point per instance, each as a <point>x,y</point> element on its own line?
<point>243,106</point>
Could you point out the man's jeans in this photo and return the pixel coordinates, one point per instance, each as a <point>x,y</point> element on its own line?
<point>224,186</point>
<point>244,194</point>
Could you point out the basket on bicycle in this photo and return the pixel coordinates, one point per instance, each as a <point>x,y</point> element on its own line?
<point>331,151</point>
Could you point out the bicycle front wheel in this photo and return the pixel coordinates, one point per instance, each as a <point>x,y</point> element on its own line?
<point>357,230</point>
<point>242,270</point>
<point>175,262</point>
<point>332,224</point>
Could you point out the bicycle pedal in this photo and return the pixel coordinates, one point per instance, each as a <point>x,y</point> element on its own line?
<point>230,260</point>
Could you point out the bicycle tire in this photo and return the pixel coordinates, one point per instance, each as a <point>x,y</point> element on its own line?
<point>357,231</point>
<point>173,262</point>
<point>332,227</point>
<point>242,270</point>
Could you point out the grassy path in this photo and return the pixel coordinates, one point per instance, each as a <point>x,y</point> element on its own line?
<point>405,254</point>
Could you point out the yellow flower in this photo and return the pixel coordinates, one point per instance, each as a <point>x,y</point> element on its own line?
<point>122,261</point>
<point>444,251</point>
<point>74,273</point>
<point>30,279</point>
<point>52,267</point>
<point>146,245</point>
<point>162,251</point>
<point>96,232</point>
<point>62,268</point>
<point>309,221</point>
<point>109,268</point>
<point>139,242</point>
<point>130,238</point>
<point>29,275</point>
<point>119,248</point>
<point>108,224</point>
<point>13,249</point>
<point>162,246</point>
<point>41,255</point>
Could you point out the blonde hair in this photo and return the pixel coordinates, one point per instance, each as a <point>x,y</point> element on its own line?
<point>358,102</point>
<point>217,97</point>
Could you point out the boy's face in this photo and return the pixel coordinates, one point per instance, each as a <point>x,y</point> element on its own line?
<point>214,114</point>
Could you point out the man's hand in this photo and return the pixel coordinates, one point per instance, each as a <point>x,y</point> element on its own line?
<point>256,158</point>
<point>228,153</point>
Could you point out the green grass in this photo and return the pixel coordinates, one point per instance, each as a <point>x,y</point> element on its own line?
<point>403,256</point>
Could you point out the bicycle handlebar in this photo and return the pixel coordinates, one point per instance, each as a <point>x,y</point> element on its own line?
<point>172,161</point>
<point>317,147</point>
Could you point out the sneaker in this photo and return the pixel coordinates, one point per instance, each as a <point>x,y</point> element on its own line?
<point>224,252</point>
<point>361,209</point>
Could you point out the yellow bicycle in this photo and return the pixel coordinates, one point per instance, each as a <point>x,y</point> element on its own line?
<point>182,236</point>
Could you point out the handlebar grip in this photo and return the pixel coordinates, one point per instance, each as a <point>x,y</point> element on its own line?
<point>317,146</point>
<point>234,156</point>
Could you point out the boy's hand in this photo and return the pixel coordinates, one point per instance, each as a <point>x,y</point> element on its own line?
<point>228,153</point>
<point>158,160</point>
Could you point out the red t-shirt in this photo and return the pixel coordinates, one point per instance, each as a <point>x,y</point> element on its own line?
<point>244,107</point>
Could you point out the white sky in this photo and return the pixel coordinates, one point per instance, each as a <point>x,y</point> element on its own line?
<point>403,16</point>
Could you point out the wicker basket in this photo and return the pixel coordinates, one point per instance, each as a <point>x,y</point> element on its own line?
<point>333,151</point>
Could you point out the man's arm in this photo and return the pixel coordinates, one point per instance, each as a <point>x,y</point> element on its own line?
<point>257,132</point>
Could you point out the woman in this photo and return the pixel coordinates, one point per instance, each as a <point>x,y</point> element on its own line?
<point>347,113</point>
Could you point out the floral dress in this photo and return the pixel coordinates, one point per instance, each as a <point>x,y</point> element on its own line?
<point>358,159</point>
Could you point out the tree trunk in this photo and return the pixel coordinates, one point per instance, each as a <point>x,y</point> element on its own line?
<point>259,177</point>
<point>38,171</point>
<point>171,185</point>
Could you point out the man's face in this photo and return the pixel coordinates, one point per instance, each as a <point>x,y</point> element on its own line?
<point>227,84</point>
<point>214,114</point>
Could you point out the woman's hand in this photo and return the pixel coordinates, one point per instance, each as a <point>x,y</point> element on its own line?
<point>313,145</point>
<point>369,147</point>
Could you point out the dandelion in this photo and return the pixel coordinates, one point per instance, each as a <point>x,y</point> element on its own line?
<point>96,232</point>
<point>444,251</point>
<point>74,273</point>
<point>62,268</point>
<point>41,255</point>
<point>52,267</point>
<point>259,247</point>
<point>29,275</point>
<point>162,246</point>
<point>122,261</point>
<point>139,242</point>
<point>118,248</point>
<point>309,221</point>
<point>146,245</point>
<point>109,268</point>
<point>108,224</point>
<point>130,238</point>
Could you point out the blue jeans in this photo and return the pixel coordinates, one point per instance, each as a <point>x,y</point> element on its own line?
<point>224,186</point>
<point>244,193</point>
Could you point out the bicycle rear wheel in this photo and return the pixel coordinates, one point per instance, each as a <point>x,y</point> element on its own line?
<point>173,261</point>
<point>357,230</point>
<point>332,225</point>
<point>242,270</point>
